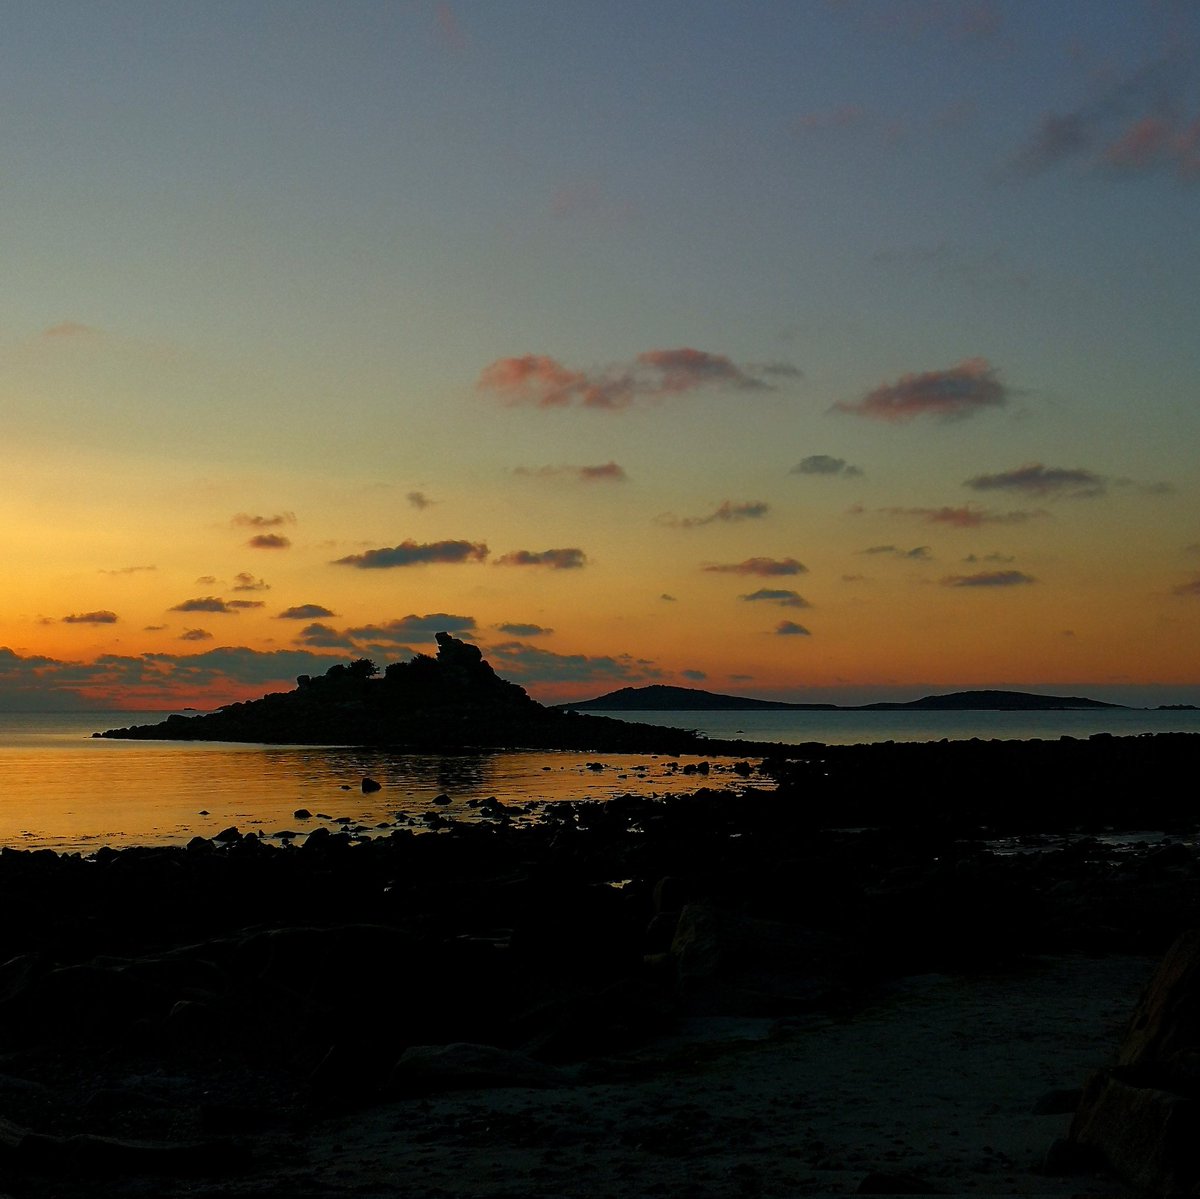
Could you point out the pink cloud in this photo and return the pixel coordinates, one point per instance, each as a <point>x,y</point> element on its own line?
<point>533,378</point>
<point>1141,146</point>
<point>967,517</point>
<point>545,382</point>
<point>950,394</point>
<point>964,517</point>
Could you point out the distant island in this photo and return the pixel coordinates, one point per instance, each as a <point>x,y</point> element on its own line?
<point>659,698</point>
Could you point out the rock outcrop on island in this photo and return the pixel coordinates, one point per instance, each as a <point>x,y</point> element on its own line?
<point>453,701</point>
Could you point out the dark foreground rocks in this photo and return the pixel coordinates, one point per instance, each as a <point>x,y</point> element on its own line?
<point>1141,1116</point>
<point>182,1013</point>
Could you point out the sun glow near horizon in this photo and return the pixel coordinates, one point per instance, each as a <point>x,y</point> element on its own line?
<point>811,378</point>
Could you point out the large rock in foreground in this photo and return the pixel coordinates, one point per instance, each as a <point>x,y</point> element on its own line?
<point>1143,1115</point>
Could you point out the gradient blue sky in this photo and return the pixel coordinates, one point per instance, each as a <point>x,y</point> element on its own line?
<point>817,350</point>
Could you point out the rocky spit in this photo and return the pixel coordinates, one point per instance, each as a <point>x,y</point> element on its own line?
<point>195,1020</point>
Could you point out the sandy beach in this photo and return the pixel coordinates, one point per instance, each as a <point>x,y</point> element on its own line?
<point>936,1077</point>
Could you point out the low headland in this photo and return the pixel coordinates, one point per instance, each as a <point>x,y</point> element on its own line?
<point>891,972</point>
<point>658,697</point>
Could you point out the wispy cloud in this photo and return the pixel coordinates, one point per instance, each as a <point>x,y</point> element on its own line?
<point>1191,587</point>
<point>419,500</point>
<point>207,603</point>
<point>826,464</point>
<point>951,394</point>
<point>268,541</point>
<point>762,567</point>
<point>989,578</point>
<point>919,553</point>
<point>589,201</point>
<point>304,612</point>
<point>607,472</point>
<point>128,570</point>
<point>978,269</point>
<point>545,382</point>
<point>1036,479</point>
<point>567,558</point>
<point>195,635</point>
<point>1142,122</point>
<point>780,596</point>
<point>524,630</point>
<point>789,628</point>
<point>243,603</point>
<point>252,521</point>
<point>412,553</point>
<point>67,329</point>
<point>843,117</point>
<point>450,32</point>
<point>963,517</point>
<point>102,616</point>
<point>725,513</point>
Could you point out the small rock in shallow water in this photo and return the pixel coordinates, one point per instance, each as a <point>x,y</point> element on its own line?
<point>369,784</point>
<point>301,814</point>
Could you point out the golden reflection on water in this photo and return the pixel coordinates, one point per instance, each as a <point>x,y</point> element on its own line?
<point>80,795</point>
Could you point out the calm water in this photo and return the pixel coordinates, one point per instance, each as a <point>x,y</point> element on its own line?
<point>857,728</point>
<point>60,788</point>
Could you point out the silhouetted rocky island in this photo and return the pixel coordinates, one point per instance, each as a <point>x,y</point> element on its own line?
<point>450,702</point>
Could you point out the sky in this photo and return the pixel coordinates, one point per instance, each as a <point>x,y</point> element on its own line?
<point>828,350</point>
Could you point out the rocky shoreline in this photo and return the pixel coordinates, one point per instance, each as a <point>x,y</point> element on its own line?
<point>190,1018</point>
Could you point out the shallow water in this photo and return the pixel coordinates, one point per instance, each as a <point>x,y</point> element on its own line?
<point>61,788</point>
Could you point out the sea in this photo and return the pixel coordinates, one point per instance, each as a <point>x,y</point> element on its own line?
<point>63,789</point>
